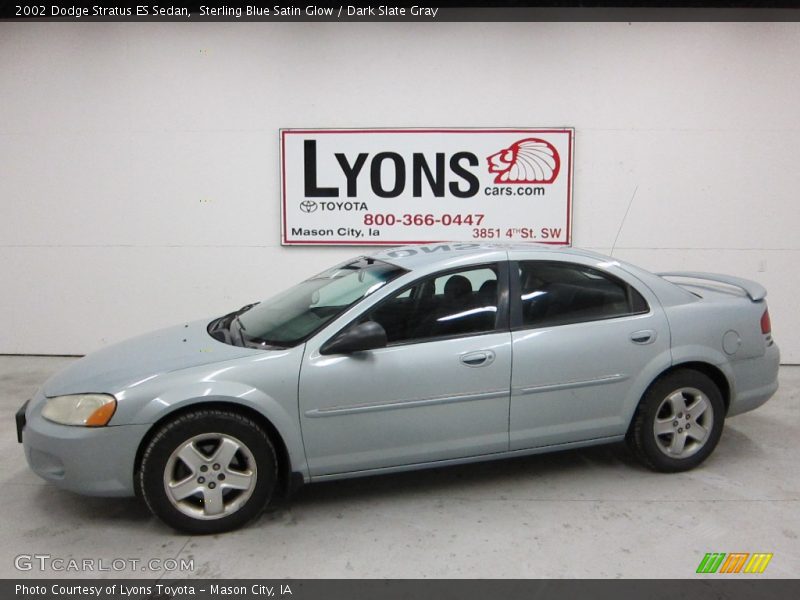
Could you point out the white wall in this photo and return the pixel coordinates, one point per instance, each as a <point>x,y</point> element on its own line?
<point>139,162</point>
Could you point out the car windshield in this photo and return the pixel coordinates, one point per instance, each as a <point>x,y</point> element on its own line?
<point>292,316</point>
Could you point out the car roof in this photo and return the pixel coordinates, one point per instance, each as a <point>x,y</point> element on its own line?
<point>417,256</point>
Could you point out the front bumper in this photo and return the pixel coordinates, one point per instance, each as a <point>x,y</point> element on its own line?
<point>95,461</point>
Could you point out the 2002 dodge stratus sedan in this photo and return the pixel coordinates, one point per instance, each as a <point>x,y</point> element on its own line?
<point>412,357</point>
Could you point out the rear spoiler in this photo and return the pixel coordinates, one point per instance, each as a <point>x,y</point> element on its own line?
<point>754,290</point>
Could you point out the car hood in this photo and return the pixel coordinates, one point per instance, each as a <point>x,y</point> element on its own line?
<point>121,365</point>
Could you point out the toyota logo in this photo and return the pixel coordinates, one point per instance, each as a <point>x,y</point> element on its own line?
<point>308,206</point>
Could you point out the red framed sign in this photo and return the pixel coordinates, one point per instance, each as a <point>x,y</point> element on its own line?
<point>405,186</point>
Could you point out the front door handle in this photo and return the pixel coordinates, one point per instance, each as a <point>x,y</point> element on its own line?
<point>481,358</point>
<point>643,336</point>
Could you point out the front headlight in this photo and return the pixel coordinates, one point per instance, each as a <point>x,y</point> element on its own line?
<point>89,410</point>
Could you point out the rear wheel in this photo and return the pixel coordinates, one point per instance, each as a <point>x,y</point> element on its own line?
<point>679,422</point>
<point>208,471</point>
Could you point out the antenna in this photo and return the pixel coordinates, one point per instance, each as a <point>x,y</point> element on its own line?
<point>625,216</point>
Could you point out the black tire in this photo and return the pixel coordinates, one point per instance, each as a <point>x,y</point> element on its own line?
<point>256,448</point>
<point>650,448</point>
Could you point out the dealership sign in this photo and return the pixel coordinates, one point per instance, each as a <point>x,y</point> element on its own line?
<point>398,186</point>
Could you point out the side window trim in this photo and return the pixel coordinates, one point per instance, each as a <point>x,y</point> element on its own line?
<point>515,287</point>
<point>515,293</point>
<point>503,303</point>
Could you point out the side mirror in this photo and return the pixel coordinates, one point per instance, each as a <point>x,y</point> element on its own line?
<point>364,336</point>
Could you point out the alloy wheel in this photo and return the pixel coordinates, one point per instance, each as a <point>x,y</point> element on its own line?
<point>683,422</point>
<point>210,476</point>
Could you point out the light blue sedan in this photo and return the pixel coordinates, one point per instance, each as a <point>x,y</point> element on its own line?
<point>412,357</point>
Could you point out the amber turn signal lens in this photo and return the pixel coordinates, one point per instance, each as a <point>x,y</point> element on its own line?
<point>102,415</point>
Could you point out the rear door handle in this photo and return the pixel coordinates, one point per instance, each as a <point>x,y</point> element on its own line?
<point>481,358</point>
<point>643,336</point>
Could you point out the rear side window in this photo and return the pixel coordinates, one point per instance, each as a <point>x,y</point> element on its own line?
<point>555,293</point>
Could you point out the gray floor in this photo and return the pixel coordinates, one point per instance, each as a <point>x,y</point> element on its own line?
<point>589,513</point>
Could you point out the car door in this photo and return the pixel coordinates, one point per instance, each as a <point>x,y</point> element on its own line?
<point>586,343</point>
<point>439,390</point>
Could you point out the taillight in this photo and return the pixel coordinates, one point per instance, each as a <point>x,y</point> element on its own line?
<point>766,325</point>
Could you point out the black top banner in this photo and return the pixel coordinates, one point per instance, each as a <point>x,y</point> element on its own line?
<point>275,10</point>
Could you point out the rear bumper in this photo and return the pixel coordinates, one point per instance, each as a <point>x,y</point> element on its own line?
<point>95,461</point>
<point>755,381</point>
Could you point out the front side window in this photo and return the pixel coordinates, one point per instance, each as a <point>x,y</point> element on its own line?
<point>451,304</point>
<point>292,316</point>
<point>554,293</point>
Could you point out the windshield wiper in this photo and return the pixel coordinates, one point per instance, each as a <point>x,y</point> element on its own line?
<point>228,319</point>
<point>224,322</point>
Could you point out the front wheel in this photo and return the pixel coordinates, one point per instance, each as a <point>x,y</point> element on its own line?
<point>208,471</point>
<point>679,422</point>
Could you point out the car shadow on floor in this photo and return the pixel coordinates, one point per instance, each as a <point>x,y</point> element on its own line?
<point>488,475</point>
<point>734,446</point>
